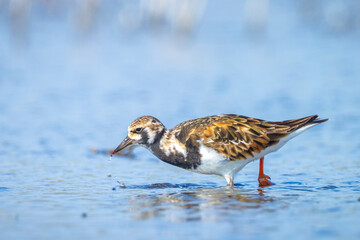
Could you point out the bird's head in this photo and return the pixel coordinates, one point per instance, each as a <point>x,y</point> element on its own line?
<point>145,130</point>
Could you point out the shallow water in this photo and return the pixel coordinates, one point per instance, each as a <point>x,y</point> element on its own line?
<point>63,95</point>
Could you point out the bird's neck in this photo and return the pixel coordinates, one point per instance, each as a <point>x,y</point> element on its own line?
<point>155,146</point>
<point>167,148</point>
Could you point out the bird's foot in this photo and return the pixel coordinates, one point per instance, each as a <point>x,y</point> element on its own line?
<point>264,181</point>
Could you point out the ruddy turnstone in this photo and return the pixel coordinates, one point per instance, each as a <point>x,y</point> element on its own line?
<point>220,144</point>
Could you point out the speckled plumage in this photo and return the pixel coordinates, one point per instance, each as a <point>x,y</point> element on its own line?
<point>220,144</point>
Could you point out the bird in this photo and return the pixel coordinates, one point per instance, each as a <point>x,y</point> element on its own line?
<point>219,144</point>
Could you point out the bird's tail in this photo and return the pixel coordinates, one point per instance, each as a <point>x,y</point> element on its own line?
<point>296,124</point>
<point>289,129</point>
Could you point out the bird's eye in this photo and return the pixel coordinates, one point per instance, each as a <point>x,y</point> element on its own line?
<point>138,130</point>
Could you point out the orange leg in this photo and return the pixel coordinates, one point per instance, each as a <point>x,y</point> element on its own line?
<point>264,180</point>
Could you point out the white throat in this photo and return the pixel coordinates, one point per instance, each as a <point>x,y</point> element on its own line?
<point>151,135</point>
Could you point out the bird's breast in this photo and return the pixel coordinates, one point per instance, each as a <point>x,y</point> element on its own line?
<point>172,146</point>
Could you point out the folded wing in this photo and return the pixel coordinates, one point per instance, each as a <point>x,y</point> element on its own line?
<point>239,137</point>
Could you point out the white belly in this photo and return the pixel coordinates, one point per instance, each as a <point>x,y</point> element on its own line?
<point>213,162</point>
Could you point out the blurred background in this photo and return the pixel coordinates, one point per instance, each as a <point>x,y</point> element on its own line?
<point>74,74</point>
<point>95,65</point>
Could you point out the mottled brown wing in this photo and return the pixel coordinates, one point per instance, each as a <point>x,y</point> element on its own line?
<point>239,137</point>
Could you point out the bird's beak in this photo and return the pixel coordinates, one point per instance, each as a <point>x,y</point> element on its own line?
<point>126,142</point>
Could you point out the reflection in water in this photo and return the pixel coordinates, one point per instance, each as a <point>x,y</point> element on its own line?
<point>197,203</point>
